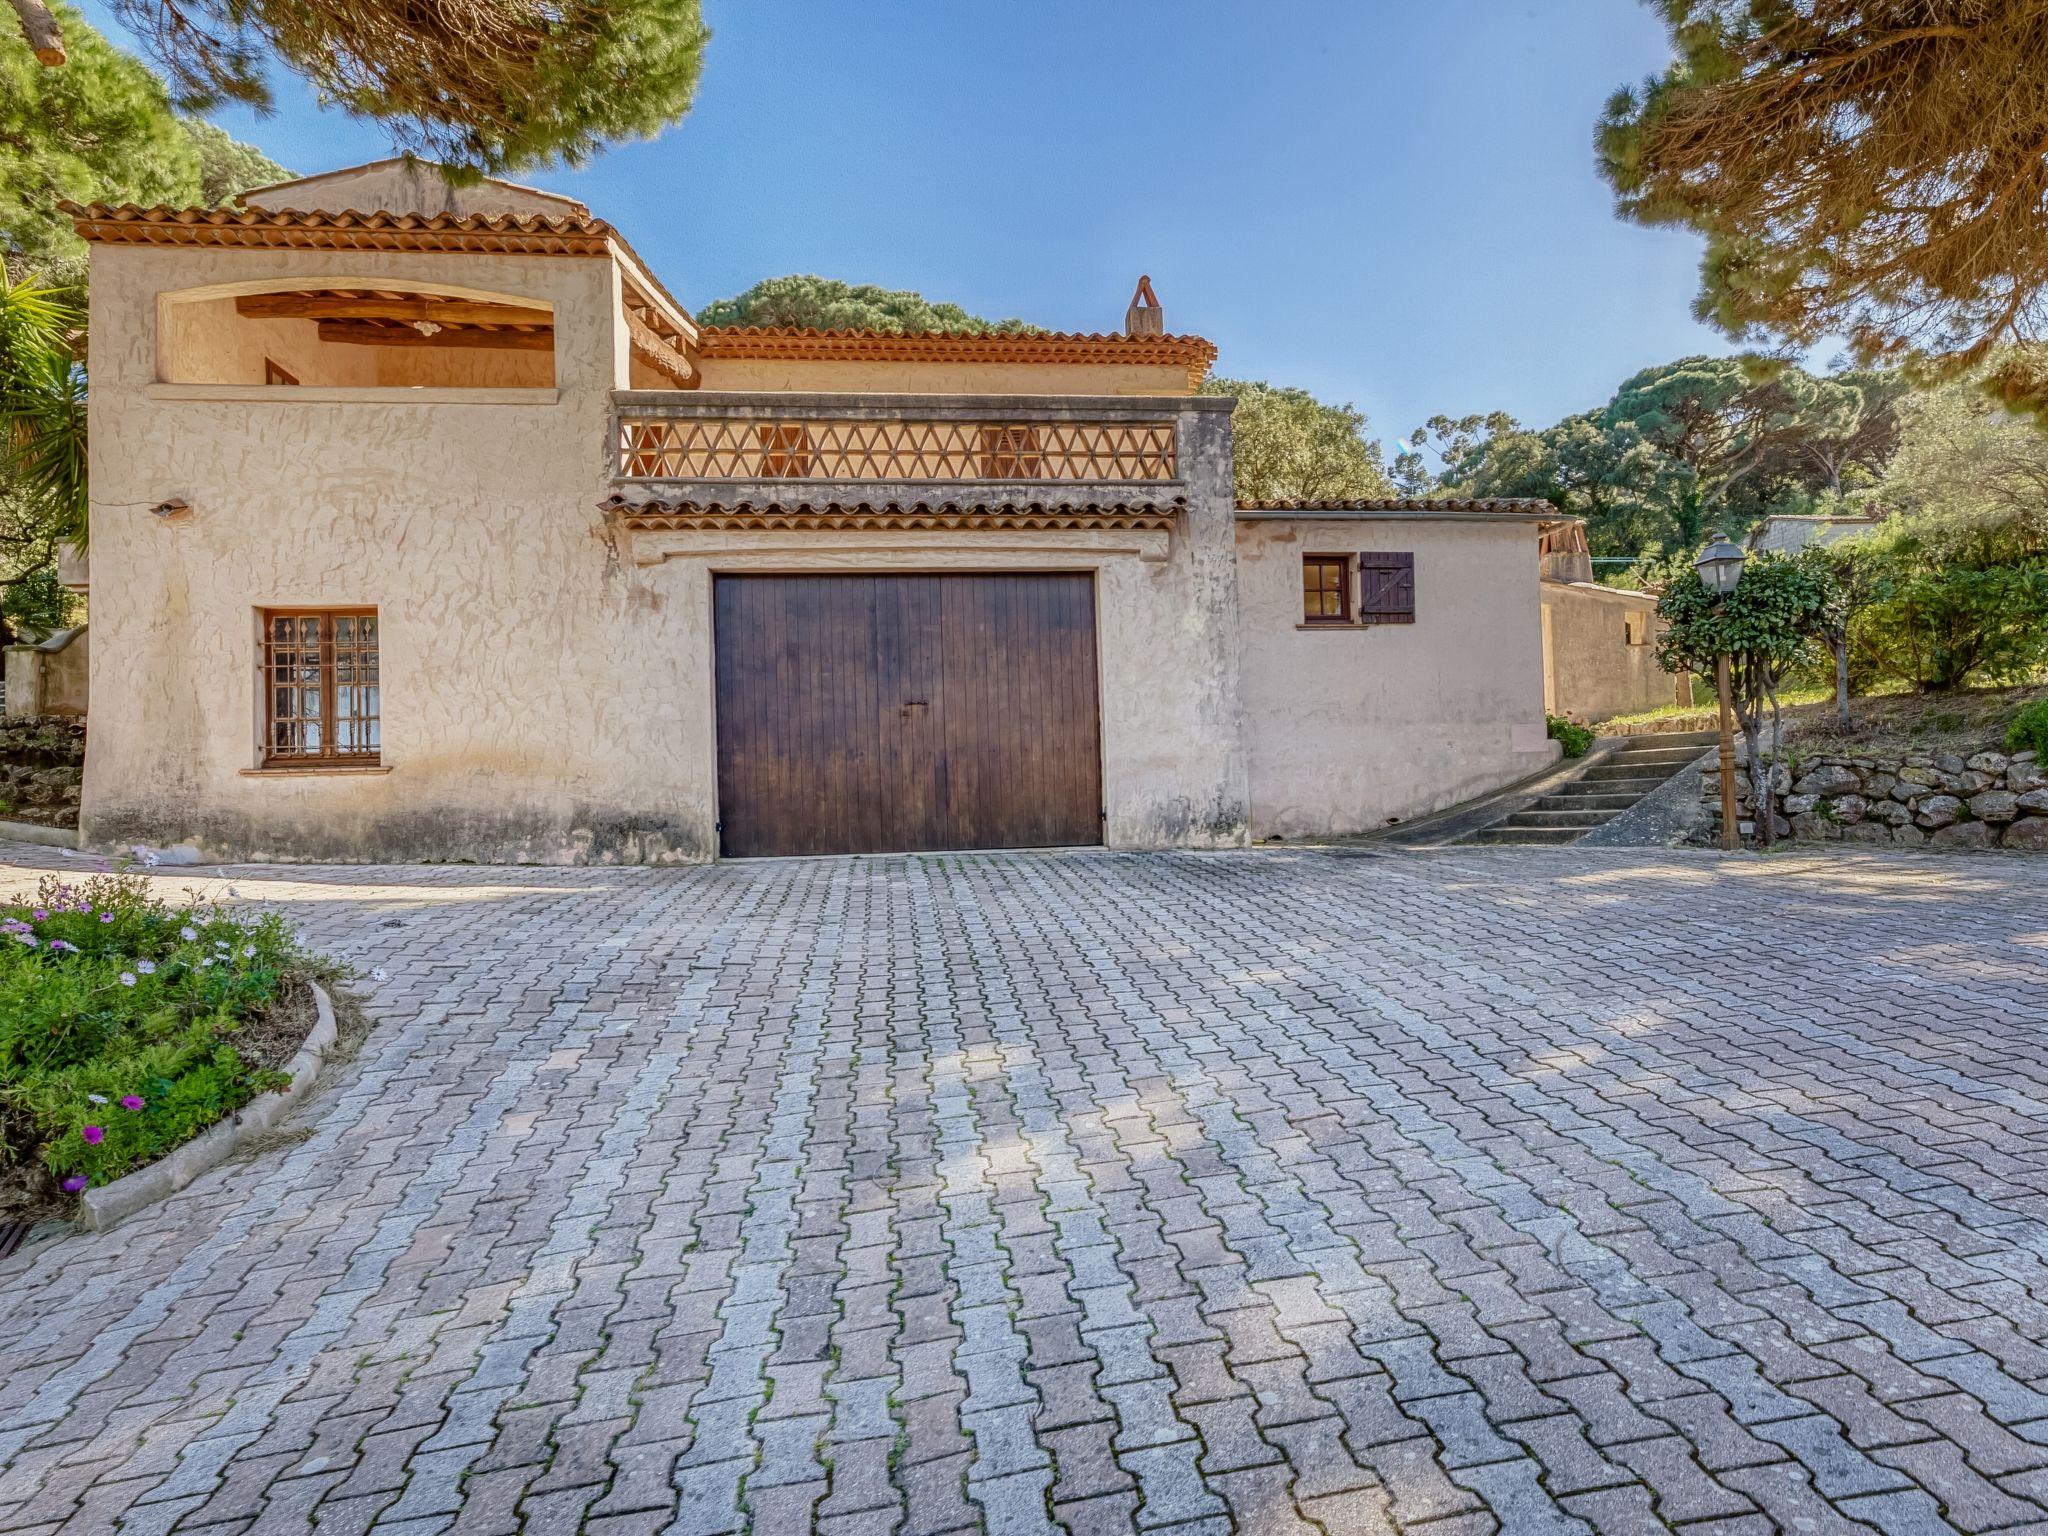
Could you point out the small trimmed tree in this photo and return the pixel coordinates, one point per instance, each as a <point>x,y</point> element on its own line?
<point>1767,626</point>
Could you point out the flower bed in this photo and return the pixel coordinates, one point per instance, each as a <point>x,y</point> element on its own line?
<point>128,1026</point>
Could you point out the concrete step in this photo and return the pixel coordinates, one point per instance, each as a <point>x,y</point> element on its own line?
<point>1586,800</point>
<point>1584,821</point>
<point>1498,834</point>
<point>1698,740</point>
<point>1676,755</point>
<point>1637,775</point>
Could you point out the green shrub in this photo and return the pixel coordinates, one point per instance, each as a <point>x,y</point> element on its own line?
<point>118,1018</point>
<point>2029,729</point>
<point>1577,739</point>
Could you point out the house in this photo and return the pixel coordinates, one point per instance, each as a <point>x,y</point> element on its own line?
<point>1788,533</point>
<point>1599,642</point>
<point>427,524</point>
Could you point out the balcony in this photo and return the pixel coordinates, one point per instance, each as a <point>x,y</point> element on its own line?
<point>751,460</point>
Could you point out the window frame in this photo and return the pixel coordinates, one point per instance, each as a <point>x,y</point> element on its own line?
<point>1346,610</point>
<point>329,758</point>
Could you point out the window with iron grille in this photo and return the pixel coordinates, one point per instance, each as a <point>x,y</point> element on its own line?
<point>320,687</point>
<point>1326,589</point>
<point>1386,587</point>
<point>785,451</point>
<point>1011,453</point>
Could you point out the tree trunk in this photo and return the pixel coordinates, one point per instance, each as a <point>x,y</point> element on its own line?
<point>42,31</point>
<point>1839,644</point>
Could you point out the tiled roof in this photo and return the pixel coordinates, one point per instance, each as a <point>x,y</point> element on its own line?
<point>1515,506</point>
<point>993,511</point>
<point>525,234</point>
<point>799,343</point>
<point>296,229</point>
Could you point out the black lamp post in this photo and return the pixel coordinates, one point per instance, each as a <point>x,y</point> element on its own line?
<point>1720,567</point>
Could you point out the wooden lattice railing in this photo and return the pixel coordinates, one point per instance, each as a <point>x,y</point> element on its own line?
<point>892,449</point>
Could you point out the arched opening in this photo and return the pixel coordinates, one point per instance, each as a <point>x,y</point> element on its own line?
<point>352,334</point>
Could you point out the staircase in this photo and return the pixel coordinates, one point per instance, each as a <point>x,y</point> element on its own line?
<point>1600,793</point>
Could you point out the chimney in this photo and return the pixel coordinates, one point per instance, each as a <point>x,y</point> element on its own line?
<point>1144,317</point>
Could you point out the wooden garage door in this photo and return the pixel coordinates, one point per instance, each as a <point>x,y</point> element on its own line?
<point>869,714</point>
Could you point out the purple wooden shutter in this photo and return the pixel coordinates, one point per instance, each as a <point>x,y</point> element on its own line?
<point>1386,587</point>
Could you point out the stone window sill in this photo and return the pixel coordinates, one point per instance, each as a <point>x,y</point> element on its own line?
<point>309,771</point>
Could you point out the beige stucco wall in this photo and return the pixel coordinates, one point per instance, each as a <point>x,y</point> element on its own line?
<point>546,680</point>
<point>946,378</point>
<point>525,707</point>
<point>1351,728</point>
<point>203,341</point>
<point>1590,671</point>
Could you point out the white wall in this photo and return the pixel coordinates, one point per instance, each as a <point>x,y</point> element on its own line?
<point>1351,728</point>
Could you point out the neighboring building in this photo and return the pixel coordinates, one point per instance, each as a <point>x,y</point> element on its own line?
<point>1599,642</point>
<point>1788,534</point>
<point>437,529</point>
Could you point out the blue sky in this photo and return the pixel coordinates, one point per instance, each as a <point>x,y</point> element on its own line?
<point>1389,203</point>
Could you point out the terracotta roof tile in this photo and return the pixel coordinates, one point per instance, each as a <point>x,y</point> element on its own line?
<point>1519,506</point>
<point>293,228</point>
<point>994,511</point>
<point>799,343</point>
<point>526,234</point>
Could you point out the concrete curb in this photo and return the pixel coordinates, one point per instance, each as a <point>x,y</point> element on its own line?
<point>102,1207</point>
<point>36,832</point>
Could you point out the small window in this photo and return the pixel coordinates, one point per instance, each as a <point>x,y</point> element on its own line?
<point>320,687</point>
<point>1635,627</point>
<point>1386,587</point>
<point>1325,589</point>
<point>274,374</point>
<point>785,451</point>
<point>1011,453</point>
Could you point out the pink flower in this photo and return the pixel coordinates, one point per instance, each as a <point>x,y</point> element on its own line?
<point>74,1184</point>
<point>106,917</point>
<point>93,1135</point>
<point>40,913</point>
<point>131,1101</point>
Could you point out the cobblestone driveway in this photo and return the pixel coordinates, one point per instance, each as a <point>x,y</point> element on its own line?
<point>1528,1190</point>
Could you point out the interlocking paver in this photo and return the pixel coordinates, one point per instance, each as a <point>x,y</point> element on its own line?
<point>1508,1189</point>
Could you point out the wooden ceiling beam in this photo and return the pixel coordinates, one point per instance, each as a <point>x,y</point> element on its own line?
<point>305,306</point>
<point>353,334</point>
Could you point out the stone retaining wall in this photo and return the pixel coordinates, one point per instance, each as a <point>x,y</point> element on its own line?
<point>42,760</point>
<point>1918,799</point>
